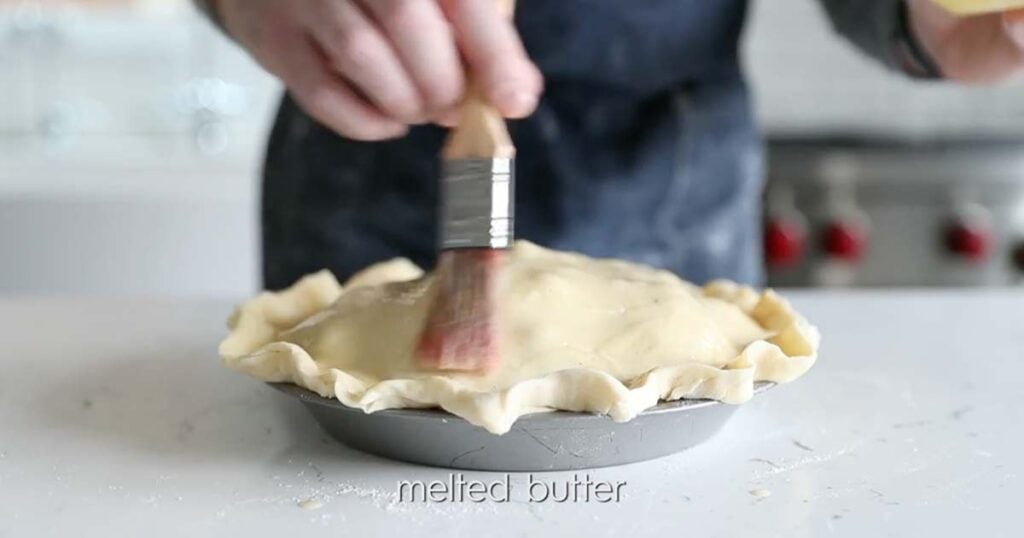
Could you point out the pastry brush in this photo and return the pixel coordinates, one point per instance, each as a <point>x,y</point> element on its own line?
<point>476,228</point>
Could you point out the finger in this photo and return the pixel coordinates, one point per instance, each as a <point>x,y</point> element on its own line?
<point>496,57</point>
<point>421,35</point>
<point>361,54</point>
<point>328,99</point>
<point>448,117</point>
<point>980,50</point>
<point>1013,24</point>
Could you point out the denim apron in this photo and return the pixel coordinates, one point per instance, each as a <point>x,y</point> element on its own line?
<point>643,147</point>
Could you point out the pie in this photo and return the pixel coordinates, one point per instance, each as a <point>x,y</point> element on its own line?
<point>577,334</point>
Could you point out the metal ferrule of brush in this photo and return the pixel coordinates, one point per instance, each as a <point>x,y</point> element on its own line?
<point>477,208</point>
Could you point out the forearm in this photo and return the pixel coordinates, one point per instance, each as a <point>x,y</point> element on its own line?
<point>880,28</point>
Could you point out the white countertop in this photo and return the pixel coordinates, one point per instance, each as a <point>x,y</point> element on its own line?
<point>116,419</point>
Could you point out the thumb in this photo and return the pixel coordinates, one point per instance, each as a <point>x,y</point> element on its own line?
<point>1013,25</point>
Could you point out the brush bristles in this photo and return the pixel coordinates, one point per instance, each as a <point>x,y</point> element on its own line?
<point>461,332</point>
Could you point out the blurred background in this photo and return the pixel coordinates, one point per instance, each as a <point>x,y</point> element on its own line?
<point>132,133</point>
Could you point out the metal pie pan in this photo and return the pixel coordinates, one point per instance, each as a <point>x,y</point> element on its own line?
<point>555,441</point>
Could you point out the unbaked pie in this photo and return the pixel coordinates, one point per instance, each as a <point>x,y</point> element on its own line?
<point>577,333</point>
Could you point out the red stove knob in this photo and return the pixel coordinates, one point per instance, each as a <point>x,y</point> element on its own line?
<point>972,242</point>
<point>784,241</point>
<point>845,240</point>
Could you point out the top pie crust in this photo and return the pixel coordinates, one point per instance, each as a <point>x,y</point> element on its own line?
<point>577,334</point>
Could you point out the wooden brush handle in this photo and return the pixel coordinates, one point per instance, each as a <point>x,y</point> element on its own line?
<point>507,7</point>
<point>481,132</point>
<point>977,7</point>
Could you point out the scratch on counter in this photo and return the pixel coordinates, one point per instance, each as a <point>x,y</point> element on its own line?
<point>817,458</point>
<point>769,462</point>
<point>802,446</point>
<point>959,413</point>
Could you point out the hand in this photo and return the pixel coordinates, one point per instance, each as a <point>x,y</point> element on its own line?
<point>370,68</point>
<point>977,50</point>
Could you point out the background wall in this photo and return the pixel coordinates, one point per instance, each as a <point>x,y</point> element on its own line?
<point>808,80</point>
<point>131,135</point>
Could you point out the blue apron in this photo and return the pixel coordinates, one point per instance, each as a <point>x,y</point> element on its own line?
<point>643,147</point>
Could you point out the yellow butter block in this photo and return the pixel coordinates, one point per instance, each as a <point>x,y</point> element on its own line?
<point>975,7</point>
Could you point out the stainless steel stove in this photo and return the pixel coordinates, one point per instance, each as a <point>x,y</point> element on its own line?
<point>853,212</point>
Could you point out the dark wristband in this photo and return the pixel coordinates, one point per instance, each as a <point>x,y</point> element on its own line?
<point>910,54</point>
